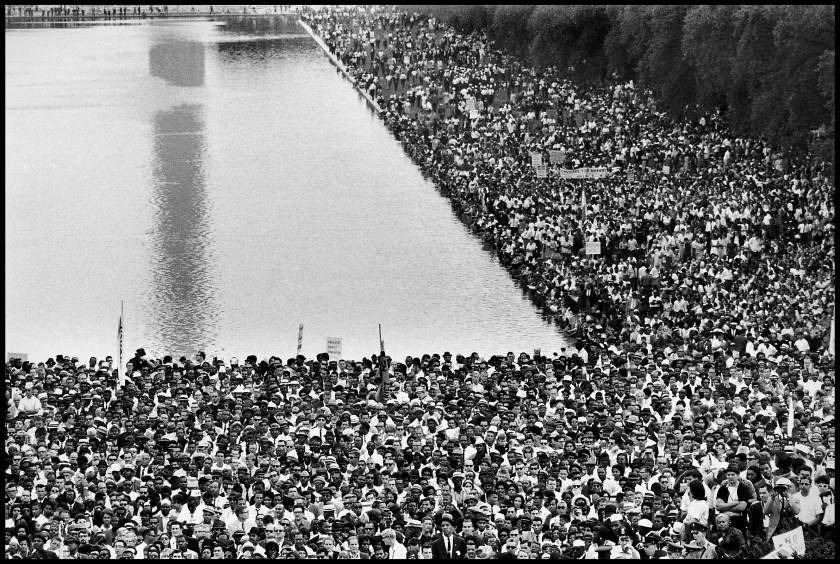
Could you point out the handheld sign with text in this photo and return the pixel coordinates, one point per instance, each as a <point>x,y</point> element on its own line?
<point>541,170</point>
<point>300,338</point>
<point>794,539</point>
<point>631,176</point>
<point>586,172</point>
<point>593,247</point>
<point>334,347</point>
<point>536,159</point>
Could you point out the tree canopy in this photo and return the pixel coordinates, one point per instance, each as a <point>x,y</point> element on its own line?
<point>769,69</point>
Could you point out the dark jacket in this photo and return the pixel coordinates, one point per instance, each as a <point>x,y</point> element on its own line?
<point>459,548</point>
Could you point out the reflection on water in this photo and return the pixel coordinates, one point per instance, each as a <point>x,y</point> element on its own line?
<point>256,191</point>
<point>178,63</point>
<point>258,51</point>
<point>182,293</point>
<point>262,25</point>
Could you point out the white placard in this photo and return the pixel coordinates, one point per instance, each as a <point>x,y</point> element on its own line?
<point>334,347</point>
<point>587,172</point>
<point>794,539</point>
<point>593,247</point>
<point>536,159</point>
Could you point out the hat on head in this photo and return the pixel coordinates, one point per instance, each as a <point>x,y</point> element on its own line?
<point>694,546</point>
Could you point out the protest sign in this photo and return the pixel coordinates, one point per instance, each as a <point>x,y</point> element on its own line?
<point>587,172</point>
<point>541,170</point>
<point>536,159</point>
<point>631,176</point>
<point>794,539</point>
<point>555,156</point>
<point>593,247</point>
<point>334,347</point>
<point>300,338</point>
<point>666,169</point>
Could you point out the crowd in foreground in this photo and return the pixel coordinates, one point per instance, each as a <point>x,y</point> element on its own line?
<point>694,416</point>
<point>623,456</point>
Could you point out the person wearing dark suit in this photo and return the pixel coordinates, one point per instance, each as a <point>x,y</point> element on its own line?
<point>448,545</point>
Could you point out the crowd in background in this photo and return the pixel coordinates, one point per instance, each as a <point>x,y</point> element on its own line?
<point>694,416</point>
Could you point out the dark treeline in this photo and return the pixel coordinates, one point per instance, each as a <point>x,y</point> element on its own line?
<point>769,69</point>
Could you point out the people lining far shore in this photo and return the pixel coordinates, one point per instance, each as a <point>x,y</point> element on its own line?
<point>700,231</point>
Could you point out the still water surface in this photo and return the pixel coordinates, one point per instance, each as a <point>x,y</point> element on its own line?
<point>228,185</point>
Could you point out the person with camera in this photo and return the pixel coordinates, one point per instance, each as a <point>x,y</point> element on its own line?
<point>777,505</point>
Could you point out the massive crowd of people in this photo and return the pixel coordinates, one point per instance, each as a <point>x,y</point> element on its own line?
<point>694,417</point>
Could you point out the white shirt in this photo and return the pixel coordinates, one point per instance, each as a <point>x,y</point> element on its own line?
<point>810,506</point>
<point>397,552</point>
<point>29,406</point>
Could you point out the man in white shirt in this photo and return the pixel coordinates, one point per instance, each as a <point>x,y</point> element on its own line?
<point>30,405</point>
<point>806,503</point>
<point>396,550</point>
<point>801,344</point>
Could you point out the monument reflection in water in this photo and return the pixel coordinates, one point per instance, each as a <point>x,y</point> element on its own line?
<point>225,182</point>
<point>183,295</point>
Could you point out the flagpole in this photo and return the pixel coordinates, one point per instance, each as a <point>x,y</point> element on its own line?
<point>120,367</point>
<point>790,419</point>
<point>583,209</point>
<point>383,371</point>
